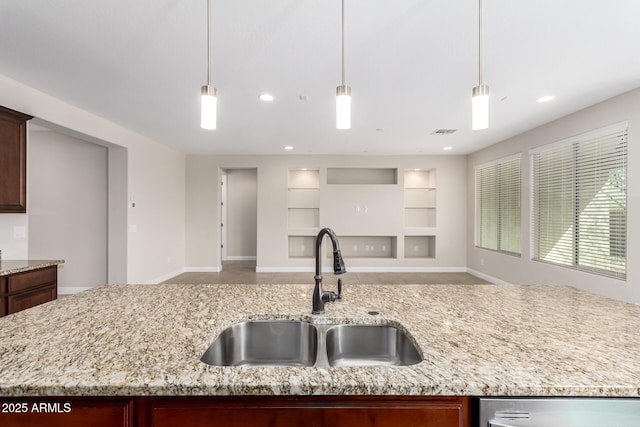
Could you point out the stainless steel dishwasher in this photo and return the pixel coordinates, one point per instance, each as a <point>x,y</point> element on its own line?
<point>559,412</point>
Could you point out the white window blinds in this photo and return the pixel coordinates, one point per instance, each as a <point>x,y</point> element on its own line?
<point>498,206</point>
<point>580,202</point>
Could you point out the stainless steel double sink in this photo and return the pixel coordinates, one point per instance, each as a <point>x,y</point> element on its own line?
<point>298,343</point>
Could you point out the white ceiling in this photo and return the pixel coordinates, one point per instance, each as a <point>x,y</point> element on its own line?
<point>411,65</point>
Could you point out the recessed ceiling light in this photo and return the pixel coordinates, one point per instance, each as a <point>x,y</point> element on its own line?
<point>447,148</point>
<point>417,169</point>
<point>288,147</point>
<point>546,98</point>
<point>304,169</point>
<point>267,97</point>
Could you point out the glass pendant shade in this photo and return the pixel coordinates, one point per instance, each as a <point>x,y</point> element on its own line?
<point>480,108</point>
<point>208,110</point>
<point>343,107</point>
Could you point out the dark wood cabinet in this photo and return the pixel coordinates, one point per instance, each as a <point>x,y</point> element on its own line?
<point>13,161</point>
<point>281,411</point>
<point>310,411</point>
<point>20,291</point>
<point>67,412</point>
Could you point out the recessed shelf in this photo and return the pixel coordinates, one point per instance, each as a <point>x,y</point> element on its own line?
<point>419,198</point>
<point>368,246</point>
<point>420,178</point>
<point>362,176</point>
<point>304,198</point>
<point>419,246</point>
<point>419,217</point>
<point>301,246</point>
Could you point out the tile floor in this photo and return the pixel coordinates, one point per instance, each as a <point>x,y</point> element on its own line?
<point>245,272</point>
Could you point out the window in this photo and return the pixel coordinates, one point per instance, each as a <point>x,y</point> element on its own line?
<point>498,205</point>
<point>580,202</point>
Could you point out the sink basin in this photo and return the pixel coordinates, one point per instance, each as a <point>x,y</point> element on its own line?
<point>370,345</point>
<point>295,343</point>
<point>264,343</point>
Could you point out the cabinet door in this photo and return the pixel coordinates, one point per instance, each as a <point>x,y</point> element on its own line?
<point>29,299</point>
<point>13,161</point>
<point>315,412</point>
<point>45,412</point>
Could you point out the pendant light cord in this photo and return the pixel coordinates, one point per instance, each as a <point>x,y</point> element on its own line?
<point>480,42</point>
<point>208,42</point>
<point>343,79</point>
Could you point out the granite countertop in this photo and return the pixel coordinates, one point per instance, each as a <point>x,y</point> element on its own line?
<point>10,266</point>
<point>142,340</point>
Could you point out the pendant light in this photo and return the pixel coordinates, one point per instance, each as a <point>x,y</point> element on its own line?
<point>343,93</point>
<point>480,94</point>
<point>208,93</point>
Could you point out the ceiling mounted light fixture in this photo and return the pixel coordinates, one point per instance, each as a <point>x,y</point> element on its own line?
<point>343,93</point>
<point>208,93</point>
<point>480,94</point>
<point>546,98</point>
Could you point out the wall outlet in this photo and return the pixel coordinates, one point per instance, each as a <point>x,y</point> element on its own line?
<point>19,232</point>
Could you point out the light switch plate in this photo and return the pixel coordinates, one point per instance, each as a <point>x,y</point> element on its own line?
<point>19,232</point>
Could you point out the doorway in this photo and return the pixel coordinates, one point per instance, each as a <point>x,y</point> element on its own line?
<point>239,215</point>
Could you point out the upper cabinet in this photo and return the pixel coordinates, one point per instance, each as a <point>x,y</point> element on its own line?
<point>13,161</point>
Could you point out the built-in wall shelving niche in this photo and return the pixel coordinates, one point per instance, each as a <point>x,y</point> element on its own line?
<point>362,176</point>
<point>369,246</point>
<point>419,246</point>
<point>303,203</point>
<point>419,198</point>
<point>301,246</point>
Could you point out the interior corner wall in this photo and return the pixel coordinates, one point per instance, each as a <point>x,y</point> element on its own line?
<point>523,269</point>
<point>155,180</point>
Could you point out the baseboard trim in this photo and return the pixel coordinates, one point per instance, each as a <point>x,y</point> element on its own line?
<point>164,277</point>
<point>486,277</point>
<point>365,269</point>
<point>202,269</point>
<point>70,290</point>
<point>240,258</point>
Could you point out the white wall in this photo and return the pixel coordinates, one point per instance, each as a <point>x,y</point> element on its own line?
<point>155,178</point>
<point>242,213</point>
<point>67,207</point>
<point>203,217</point>
<point>524,270</point>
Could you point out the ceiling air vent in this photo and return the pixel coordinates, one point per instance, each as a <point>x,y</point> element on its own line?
<point>443,131</point>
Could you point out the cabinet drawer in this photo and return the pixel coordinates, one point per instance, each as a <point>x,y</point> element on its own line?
<point>29,299</point>
<point>3,285</point>
<point>32,279</point>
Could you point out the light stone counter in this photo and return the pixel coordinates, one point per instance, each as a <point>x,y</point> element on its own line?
<point>9,266</point>
<point>143,340</point>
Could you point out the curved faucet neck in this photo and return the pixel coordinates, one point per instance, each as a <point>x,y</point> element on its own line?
<point>319,239</point>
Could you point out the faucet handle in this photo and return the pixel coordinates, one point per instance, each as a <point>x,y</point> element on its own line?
<point>339,289</point>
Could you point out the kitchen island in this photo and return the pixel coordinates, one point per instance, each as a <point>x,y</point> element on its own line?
<point>476,340</point>
<point>27,283</point>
